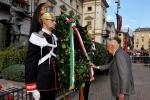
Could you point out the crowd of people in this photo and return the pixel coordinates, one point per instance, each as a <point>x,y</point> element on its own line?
<point>142,56</point>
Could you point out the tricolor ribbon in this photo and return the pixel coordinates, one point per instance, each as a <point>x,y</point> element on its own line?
<point>72,75</point>
<point>72,59</point>
<point>81,96</point>
<point>83,49</point>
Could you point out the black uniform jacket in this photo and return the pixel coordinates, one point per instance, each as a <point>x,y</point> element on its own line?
<point>41,77</point>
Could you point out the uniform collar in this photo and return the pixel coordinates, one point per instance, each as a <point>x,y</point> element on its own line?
<point>46,31</point>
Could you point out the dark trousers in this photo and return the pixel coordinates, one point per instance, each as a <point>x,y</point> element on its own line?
<point>48,95</point>
<point>126,97</point>
<point>86,91</point>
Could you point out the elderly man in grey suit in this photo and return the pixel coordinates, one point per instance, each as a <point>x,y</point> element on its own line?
<point>121,78</point>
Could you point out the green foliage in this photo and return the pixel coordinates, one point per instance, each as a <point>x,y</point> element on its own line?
<point>12,56</point>
<point>1,98</point>
<point>100,54</point>
<point>63,55</point>
<point>14,72</point>
<point>3,39</point>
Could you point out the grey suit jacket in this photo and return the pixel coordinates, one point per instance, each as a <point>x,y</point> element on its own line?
<point>121,78</point>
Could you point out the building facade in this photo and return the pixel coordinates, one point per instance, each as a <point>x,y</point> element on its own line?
<point>58,7</point>
<point>94,13</point>
<point>5,16</point>
<point>110,32</point>
<point>122,36</point>
<point>88,11</point>
<point>142,38</point>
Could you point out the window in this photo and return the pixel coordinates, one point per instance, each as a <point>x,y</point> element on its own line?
<point>137,40</point>
<point>36,3</point>
<point>103,11</point>
<point>137,46</point>
<point>89,22</point>
<point>142,35</point>
<point>142,40</point>
<point>149,46</point>
<point>89,8</point>
<point>51,9</point>
<point>77,7</point>
<point>47,9</point>
<point>70,2</point>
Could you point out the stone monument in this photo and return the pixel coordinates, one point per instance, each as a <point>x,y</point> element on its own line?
<point>16,17</point>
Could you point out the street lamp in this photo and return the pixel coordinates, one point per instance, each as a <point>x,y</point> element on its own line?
<point>118,7</point>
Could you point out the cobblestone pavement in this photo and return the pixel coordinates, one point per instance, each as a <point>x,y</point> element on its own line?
<point>100,88</point>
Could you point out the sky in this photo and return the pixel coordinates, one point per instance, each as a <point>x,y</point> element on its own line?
<point>135,13</point>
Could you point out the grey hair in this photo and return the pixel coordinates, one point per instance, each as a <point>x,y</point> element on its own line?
<point>114,43</point>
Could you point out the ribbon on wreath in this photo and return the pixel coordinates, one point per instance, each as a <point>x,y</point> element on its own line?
<point>83,49</point>
<point>72,78</point>
<point>85,53</point>
<point>72,58</point>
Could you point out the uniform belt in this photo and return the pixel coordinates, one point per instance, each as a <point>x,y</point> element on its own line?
<point>46,57</point>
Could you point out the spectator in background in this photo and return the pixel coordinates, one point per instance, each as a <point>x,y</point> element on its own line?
<point>142,56</point>
<point>145,57</point>
<point>138,56</point>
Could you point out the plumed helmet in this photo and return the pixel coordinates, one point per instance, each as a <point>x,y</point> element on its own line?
<point>40,17</point>
<point>89,30</point>
<point>44,14</point>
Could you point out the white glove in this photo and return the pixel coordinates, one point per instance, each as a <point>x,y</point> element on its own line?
<point>36,95</point>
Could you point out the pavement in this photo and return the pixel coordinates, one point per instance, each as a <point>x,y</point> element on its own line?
<point>100,87</point>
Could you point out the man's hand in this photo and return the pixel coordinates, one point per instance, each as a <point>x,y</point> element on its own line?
<point>121,96</point>
<point>92,65</point>
<point>36,95</point>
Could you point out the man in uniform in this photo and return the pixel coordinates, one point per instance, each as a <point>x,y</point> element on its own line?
<point>40,67</point>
